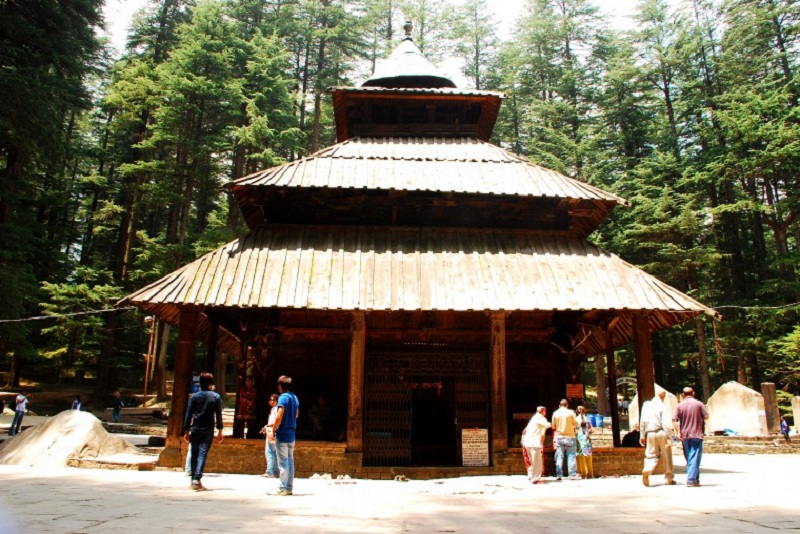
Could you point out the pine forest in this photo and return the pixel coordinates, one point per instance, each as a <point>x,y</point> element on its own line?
<point>113,166</point>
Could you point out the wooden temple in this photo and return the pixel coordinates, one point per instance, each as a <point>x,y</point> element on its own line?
<point>422,279</point>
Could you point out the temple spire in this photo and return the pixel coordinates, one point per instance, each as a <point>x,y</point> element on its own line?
<point>407,68</point>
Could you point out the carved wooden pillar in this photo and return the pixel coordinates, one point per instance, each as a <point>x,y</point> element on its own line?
<point>611,362</point>
<point>184,363</point>
<point>643,353</point>
<point>355,404</point>
<point>498,364</point>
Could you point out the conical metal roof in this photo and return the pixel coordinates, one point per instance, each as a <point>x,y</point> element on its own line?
<point>406,67</point>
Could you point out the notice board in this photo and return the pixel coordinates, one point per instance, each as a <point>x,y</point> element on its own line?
<point>475,447</point>
<point>574,391</point>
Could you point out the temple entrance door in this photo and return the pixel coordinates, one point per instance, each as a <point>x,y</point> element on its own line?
<point>433,422</point>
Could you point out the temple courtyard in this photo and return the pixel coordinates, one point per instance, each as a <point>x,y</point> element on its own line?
<point>739,493</point>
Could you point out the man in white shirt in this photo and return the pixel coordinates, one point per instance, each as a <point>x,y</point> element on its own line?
<point>19,412</point>
<point>532,440</point>
<point>657,428</point>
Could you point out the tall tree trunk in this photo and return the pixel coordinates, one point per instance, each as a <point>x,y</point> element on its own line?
<point>705,380</point>
<point>106,361</point>
<point>161,363</point>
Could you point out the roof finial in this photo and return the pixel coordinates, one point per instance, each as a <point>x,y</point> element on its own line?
<point>408,27</point>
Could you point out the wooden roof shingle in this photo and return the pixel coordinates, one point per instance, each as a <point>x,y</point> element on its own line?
<point>448,165</point>
<point>413,269</point>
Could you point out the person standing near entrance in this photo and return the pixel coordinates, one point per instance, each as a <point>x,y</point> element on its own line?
<point>656,425</point>
<point>690,416</point>
<point>269,431</point>
<point>204,408</point>
<point>532,440</point>
<point>285,428</point>
<point>21,408</point>
<point>583,438</point>
<point>564,425</point>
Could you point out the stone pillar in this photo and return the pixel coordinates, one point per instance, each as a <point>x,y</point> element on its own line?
<point>643,353</point>
<point>498,369</point>
<point>796,412</point>
<point>184,363</point>
<point>770,395</point>
<point>355,402</point>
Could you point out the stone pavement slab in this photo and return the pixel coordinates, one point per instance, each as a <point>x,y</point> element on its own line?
<point>740,493</point>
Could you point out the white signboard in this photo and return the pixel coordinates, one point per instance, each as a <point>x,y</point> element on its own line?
<point>475,447</point>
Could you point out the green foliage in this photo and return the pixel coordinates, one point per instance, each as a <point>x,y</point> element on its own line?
<point>112,173</point>
<point>76,339</point>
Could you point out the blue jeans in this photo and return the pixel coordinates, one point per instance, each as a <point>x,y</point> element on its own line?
<point>115,414</point>
<point>285,453</point>
<point>694,452</point>
<point>270,451</point>
<point>200,442</point>
<point>16,423</point>
<point>565,446</point>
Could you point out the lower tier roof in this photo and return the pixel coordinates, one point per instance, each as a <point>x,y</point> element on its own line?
<point>380,269</point>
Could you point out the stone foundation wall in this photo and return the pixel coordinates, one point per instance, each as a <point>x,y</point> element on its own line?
<point>247,457</point>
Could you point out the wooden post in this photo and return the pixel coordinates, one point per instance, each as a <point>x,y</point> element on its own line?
<point>612,385</point>
<point>211,352</point>
<point>600,374</point>
<point>768,391</point>
<point>498,363</point>
<point>355,404</point>
<point>184,363</point>
<point>643,353</point>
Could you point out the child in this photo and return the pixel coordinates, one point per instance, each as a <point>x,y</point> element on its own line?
<point>785,428</point>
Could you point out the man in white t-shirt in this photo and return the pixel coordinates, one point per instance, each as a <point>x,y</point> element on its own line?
<point>657,429</point>
<point>532,440</point>
<point>19,413</point>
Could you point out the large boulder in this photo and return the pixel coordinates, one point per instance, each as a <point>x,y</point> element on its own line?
<point>738,408</point>
<point>69,435</point>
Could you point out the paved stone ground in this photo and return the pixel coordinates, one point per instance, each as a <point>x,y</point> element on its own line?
<point>740,493</point>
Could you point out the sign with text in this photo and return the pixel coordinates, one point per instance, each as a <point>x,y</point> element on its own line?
<point>475,447</point>
<point>574,391</point>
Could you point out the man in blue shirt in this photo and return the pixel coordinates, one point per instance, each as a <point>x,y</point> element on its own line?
<point>198,427</point>
<point>285,427</point>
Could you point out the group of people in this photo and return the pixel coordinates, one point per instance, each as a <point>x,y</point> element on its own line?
<point>204,413</point>
<point>571,439</point>
<point>658,427</point>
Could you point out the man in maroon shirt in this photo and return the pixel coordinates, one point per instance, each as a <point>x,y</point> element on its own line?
<point>690,416</point>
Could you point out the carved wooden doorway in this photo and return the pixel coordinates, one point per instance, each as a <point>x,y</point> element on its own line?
<point>416,404</point>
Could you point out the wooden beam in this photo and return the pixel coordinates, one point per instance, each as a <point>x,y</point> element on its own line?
<point>184,363</point>
<point>355,404</point>
<point>643,353</point>
<point>498,370</point>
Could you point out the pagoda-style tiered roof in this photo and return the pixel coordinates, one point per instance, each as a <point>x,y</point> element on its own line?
<point>414,211</point>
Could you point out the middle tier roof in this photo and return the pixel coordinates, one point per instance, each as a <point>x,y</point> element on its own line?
<point>422,175</point>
